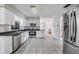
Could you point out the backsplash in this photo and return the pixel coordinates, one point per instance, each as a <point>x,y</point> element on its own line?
<point>5,27</point>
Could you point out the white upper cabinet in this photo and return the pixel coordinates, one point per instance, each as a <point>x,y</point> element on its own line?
<point>9,17</point>
<point>35,20</point>
<point>6,16</point>
<point>1,15</point>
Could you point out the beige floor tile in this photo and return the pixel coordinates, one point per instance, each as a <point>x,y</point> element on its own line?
<point>41,46</point>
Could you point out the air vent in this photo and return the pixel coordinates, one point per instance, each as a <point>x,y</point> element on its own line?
<point>67,5</point>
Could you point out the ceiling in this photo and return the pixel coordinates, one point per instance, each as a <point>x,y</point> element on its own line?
<point>44,10</point>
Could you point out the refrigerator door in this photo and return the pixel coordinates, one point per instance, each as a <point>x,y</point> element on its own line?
<point>66,26</point>
<point>70,32</point>
<point>74,27</point>
<point>69,48</point>
<point>77,26</point>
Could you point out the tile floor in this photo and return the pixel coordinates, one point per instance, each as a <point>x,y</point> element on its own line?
<point>41,46</point>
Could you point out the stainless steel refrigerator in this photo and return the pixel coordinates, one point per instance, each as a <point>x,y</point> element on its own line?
<point>71,31</point>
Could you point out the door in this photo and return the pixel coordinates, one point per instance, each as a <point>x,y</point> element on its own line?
<point>17,41</point>
<point>71,26</point>
<point>5,44</point>
<point>77,25</point>
<point>66,27</point>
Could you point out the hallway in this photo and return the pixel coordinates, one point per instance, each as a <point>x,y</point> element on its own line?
<point>41,46</point>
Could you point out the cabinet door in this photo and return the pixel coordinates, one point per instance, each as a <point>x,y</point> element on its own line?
<point>9,44</point>
<point>16,42</point>
<point>5,44</point>
<point>24,36</point>
<point>40,34</point>
<point>9,17</point>
<point>19,40</point>
<point>1,15</point>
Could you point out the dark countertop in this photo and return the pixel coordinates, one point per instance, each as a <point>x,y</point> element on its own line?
<point>16,32</point>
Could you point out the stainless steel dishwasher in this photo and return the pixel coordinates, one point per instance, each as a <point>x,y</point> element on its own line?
<point>16,41</point>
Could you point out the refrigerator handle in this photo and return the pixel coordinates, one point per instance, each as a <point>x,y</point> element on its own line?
<point>71,29</point>
<point>75,27</point>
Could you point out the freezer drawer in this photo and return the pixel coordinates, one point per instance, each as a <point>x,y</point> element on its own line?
<point>70,49</point>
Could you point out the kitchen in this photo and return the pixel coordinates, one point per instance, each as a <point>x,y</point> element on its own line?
<point>44,30</point>
<point>12,29</point>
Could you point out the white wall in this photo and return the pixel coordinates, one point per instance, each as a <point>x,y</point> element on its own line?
<point>56,27</point>
<point>42,23</point>
<point>61,28</point>
<point>51,23</point>
<point>46,24</point>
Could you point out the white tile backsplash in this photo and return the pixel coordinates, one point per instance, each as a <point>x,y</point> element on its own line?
<point>5,28</point>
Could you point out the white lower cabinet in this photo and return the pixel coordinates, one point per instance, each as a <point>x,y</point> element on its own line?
<point>16,42</point>
<point>40,34</point>
<point>5,44</point>
<point>24,36</point>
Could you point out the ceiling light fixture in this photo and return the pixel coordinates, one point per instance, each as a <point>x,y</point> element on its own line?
<point>34,9</point>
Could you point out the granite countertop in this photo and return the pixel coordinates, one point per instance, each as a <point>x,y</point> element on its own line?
<point>11,32</point>
<point>16,31</point>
